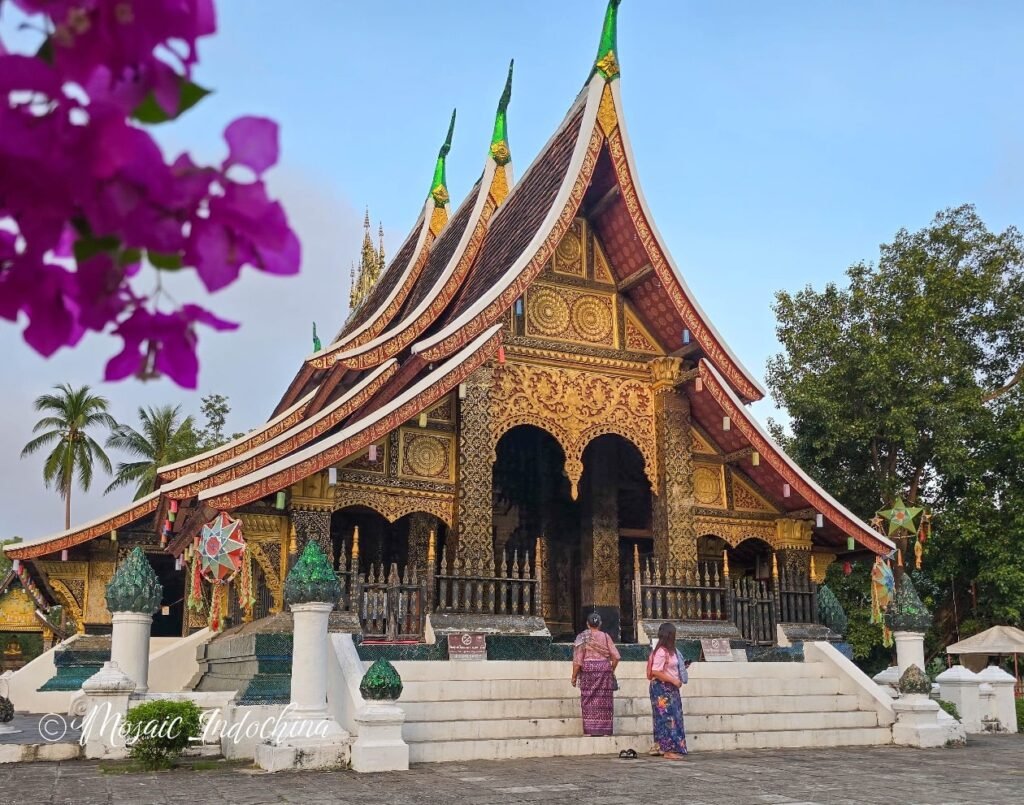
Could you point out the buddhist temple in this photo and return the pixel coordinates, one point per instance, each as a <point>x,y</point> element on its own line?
<point>524,417</point>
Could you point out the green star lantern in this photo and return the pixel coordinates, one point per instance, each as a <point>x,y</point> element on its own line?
<point>900,517</point>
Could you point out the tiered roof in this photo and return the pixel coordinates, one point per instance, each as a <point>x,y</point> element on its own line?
<point>435,315</point>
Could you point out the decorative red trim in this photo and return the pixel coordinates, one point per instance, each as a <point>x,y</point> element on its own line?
<point>78,537</point>
<point>338,452</point>
<point>702,334</point>
<point>782,464</point>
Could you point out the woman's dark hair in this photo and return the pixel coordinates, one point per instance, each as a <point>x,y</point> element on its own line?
<point>593,619</point>
<point>667,638</point>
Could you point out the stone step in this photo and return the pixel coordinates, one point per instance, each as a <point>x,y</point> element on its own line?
<point>569,707</point>
<point>443,751</point>
<point>506,669</point>
<point>483,689</point>
<point>511,728</point>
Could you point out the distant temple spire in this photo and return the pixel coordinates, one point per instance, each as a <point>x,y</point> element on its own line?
<point>607,61</point>
<point>439,186</point>
<point>380,251</point>
<point>500,151</point>
<point>371,264</point>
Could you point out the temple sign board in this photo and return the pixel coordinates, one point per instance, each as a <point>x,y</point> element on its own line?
<point>716,649</point>
<point>467,646</point>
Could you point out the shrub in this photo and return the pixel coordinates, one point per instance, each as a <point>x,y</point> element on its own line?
<point>950,708</point>
<point>1020,715</point>
<point>158,731</point>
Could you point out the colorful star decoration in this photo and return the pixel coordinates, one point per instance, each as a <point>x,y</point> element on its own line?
<point>900,517</point>
<point>220,548</point>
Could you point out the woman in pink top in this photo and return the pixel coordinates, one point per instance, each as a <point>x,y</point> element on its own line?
<point>594,658</point>
<point>667,672</point>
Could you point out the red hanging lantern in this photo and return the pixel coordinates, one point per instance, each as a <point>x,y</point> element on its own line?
<point>174,506</point>
<point>501,354</point>
<point>847,568</point>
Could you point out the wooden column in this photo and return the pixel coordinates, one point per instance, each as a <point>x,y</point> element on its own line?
<point>476,471</point>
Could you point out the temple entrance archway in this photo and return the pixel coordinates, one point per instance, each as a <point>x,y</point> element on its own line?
<point>751,558</point>
<point>382,542</point>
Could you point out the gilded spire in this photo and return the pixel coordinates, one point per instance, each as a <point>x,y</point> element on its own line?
<point>371,264</point>
<point>607,61</point>
<point>380,251</point>
<point>439,187</point>
<point>499,140</point>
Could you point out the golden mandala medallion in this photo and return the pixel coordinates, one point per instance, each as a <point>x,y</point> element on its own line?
<point>426,456</point>
<point>592,319</point>
<point>548,313</point>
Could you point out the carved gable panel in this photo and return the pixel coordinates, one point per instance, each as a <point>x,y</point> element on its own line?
<point>570,254</point>
<point>427,454</point>
<point>569,314</point>
<point>746,498</point>
<point>709,485</point>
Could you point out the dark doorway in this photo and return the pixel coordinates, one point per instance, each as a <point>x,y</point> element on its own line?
<point>173,601</point>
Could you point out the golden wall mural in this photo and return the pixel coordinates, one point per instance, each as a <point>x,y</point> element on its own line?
<point>575,407</point>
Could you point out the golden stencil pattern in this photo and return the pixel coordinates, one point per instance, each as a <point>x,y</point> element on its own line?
<point>426,455</point>
<point>745,499</point>
<point>707,486</point>
<point>735,531</point>
<point>442,412</point>
<point>476,465</point>
<point>361,460</point>
<point>672,514</point>
<point>575,407</point>
<point>637,340</point>
<point>567,314</point>
<point>700,444</point>
<point>606,116</point>
<point>18,611</point>
<point>569,253</point>
<point>602,271</point>
<point>393,504</point>
<point>499,185</point>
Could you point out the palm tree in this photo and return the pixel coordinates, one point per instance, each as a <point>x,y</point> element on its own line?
<point>162,439</point>
<point>71,414</point>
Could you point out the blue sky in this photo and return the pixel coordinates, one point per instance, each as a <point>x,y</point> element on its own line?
<point>776,144</point>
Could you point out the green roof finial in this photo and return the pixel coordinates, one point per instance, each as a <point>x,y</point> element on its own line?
<point>439,187</point>
<point>607,61</point>
<point>311,578</point>
<point>317,346</point>
<point>134,587</point>
<point>500,152</point>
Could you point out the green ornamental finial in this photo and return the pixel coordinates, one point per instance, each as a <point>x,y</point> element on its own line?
<point>134,587</point>
<point>311,579</point>
<point>500,151</point>
<point>439,187</point>
<point>914,680</point>
<point>906,613</point>
<point>607,61</point>
<point>381,682</point>
<point>317,346</point>
<point>830,611</point>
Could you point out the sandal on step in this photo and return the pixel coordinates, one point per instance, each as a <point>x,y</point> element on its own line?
<point>628,754</point>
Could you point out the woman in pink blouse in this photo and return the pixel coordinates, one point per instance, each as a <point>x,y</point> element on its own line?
<point>666,670</point>
<point>594,658</point>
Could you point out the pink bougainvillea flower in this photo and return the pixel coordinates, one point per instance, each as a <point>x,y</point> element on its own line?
<point>163,343</point>
<point>252,142</point>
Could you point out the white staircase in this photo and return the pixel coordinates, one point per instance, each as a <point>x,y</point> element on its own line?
<point>458,711</point>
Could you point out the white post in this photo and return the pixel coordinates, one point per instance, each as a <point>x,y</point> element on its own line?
<point>107,694</point>
<point>309,660</point>
<point>909,650</point>
<point>379,745</point>
<point>1003,705</point>
<point>959,685</point>
<point>129,646</point>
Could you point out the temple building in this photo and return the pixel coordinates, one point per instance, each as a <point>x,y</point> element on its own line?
<point>526,417</point>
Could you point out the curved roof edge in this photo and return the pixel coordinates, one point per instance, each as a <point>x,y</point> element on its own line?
<point>664,266</point>
<point>315,458</point>
<point>849,523</point>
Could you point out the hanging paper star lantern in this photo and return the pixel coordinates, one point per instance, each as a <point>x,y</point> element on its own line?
<point>900,517</point>
<point>221,548</point>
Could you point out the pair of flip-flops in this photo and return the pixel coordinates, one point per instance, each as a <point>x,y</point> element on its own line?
<point>628,754</point>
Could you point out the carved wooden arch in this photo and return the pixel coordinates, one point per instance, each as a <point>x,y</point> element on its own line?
<point>271,574</point>
<point>575,407</point>
<point>67,599</point>
<point>734,532</point>
<point>394,504</point>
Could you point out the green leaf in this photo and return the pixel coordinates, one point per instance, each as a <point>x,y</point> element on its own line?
<point>88,247</point>
<point>45,52</point>
<point>149,111</point>
<point>129,256</point>
<point>164,261</point>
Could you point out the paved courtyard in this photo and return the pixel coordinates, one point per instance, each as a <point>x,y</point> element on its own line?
<point>989,770</point>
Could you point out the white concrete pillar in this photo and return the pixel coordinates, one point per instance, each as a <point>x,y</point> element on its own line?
<point>309,660</point>
<point>959,685</point>
<point>909,650</point>
<point>917,722</point>
<point>379,745</point>
<point>107,694</point>
<point>129,646</point>
<point>1003,705</point>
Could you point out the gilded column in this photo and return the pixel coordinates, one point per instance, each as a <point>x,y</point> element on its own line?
<point>420,525</point>
<point>600,539</point>
<point>476,469</point>
<point>793,546</point>
<point>675,535</point>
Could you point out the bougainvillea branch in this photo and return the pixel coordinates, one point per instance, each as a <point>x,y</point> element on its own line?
<point>87,199</point>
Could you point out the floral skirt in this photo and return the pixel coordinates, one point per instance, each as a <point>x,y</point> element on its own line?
<point>595,681</point>
<point>667,709</point>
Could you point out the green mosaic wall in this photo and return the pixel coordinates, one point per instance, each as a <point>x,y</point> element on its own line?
<point>74,667</point>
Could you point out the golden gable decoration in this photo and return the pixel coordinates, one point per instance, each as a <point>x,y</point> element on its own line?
<point>569,254</point>
<point>638,339</point>
<point>427,455</point>
<point>602,269</point>
<point>700,444</point>
<point>709,485</point>
<point>567,314</point>
<point>745,498</point>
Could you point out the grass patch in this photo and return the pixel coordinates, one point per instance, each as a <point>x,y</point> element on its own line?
<point>181,765</point>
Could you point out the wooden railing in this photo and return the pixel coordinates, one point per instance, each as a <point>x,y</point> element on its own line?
<point>699,593</point>
<point>753,602</point>
<point>390,606</point>
<point>797,596</point>
<point>512,587</point>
